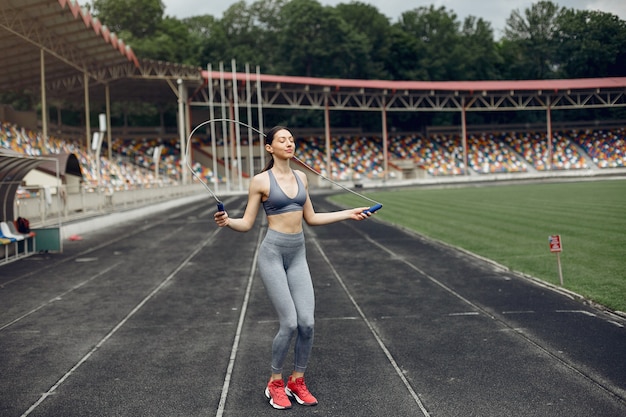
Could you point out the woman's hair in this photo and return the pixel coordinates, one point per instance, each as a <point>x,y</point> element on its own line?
<point>269,138</point>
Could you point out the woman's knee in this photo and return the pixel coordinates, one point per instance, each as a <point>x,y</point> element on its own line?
<point>306,329</point>
<point>288,327</point>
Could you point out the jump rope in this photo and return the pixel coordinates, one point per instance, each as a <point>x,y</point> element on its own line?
<point>220,204</point>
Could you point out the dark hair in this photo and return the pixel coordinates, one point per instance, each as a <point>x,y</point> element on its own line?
<point>269,138</point>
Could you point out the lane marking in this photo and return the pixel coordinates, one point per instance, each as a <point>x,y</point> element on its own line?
<point>591,377</point>
<point>380,342</point>
<point>110,242</point>
<point>93,259</point>
<point>242,315</point>
<point>59,297</point>
<point>586,313</point>
<point>147,298</point>
<point>431,278</point>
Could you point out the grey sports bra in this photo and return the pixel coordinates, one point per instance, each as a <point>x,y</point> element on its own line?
<point>278,202</point>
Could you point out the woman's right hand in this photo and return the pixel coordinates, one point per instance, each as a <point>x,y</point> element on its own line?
<point>221,218</point>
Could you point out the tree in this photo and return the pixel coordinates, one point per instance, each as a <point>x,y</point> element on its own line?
<point>171,42</point>
<point>142,25</point>
<point>315,41</point>
<point>429,44</point>
<point>529,41</point>
<point>404,51</point>
<point>206,38</point>
<point>591,44</point>
<point>375,29</point>
<point>479,58</point>
<point>245,33</point>
<point>139,18</point>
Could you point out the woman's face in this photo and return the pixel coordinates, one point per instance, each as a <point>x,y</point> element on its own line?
<point>283,144</point>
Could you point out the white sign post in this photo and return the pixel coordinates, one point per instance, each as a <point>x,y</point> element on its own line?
<point>557,247</point>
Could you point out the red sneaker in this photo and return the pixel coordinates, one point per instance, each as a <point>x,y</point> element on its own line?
<point>297,388</point>
<point>275,392</point>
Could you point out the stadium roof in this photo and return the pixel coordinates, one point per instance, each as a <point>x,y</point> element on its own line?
<point>72,46</point>
<point>349,94</point>
<point>461,86</point>
<point>72,40</point>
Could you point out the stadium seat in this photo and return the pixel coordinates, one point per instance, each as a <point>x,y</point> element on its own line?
<point>28,238</point>
<point>6,242</point>
<point>6,232</point>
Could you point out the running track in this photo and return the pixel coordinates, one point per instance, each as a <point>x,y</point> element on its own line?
<point>166,316</point>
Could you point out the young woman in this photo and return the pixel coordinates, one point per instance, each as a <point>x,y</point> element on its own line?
<point>283,193</point>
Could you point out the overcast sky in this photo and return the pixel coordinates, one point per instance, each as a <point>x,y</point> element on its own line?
<point>494,11</point>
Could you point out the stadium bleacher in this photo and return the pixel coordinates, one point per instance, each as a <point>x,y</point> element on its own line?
<point>354,157</point>
<point>606,148</point>
<point>118,174</point>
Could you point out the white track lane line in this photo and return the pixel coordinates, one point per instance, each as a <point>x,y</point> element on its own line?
<point>598,382</point>
<point>109,242</point>
<point>390,357</point>
<point>56,298</point>
<point>121,323</point>
<point>242,316</point>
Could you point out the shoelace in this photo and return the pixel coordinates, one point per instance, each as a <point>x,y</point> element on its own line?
<point>277,390</point>
<point>301,386</point>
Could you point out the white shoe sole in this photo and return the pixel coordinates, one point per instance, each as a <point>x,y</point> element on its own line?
<point>272,403</point>
<point>298,399</point>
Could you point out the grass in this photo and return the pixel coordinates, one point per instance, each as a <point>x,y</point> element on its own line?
<point>510,224</point>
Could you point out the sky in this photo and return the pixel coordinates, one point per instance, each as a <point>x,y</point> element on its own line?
<point>494,11</point>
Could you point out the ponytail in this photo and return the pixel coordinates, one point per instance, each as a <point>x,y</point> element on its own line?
<point>269,164</point>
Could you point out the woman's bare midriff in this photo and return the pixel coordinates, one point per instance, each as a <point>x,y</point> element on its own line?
<point>290,222</point>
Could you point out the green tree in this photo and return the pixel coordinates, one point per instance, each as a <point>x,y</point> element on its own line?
<point>404,51</point>
<point>206,38</point>
<point>139,18</point>
<point>171,42</point>
<point>591,44</point>
<point>375,30</point>
<point>428,45</point>
<point>142,25</point>
<point>479,58</point>
<point>245,33</point>
<point>315,41</point>
<point>529,41</point>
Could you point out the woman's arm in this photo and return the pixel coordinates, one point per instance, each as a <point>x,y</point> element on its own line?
<point>245,223</point>
<point>318,219</point>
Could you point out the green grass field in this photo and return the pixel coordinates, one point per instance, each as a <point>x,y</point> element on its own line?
<point>510,224</point>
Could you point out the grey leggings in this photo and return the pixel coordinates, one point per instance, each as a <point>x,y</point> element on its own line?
<point>285,274</point>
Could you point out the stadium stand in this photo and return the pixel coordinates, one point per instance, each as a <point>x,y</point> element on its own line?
<point>426,154</point>
<point>353,157</point>
<point>140,151</point>
<point>606,148</point>
<point>118,174</point>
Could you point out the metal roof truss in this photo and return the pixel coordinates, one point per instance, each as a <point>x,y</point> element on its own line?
<point>301,97</point>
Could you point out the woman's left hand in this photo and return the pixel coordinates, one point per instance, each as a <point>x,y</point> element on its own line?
<point>360,213</point>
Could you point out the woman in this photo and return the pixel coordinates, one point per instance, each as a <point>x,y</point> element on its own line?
<point>283,192</point>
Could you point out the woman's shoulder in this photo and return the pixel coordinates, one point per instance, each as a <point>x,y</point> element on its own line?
<point>261,176</point>
<point>260,180</point>
<point>301,175</point>
<point>259,185</point>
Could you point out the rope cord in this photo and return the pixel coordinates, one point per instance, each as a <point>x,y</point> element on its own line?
<point>264,135</point>
<point>187,159</point>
